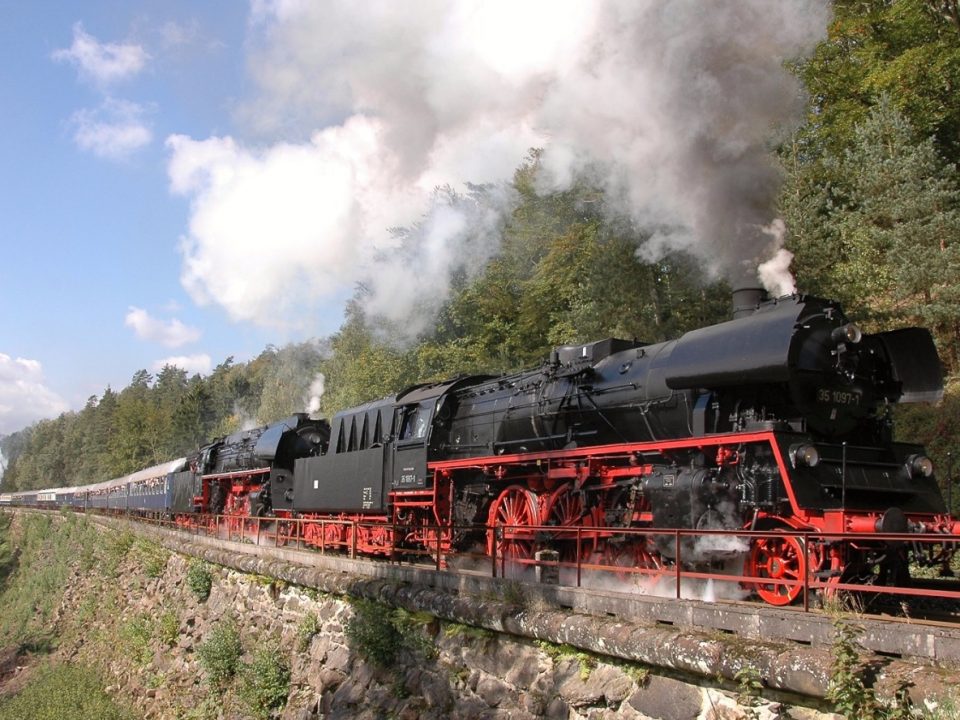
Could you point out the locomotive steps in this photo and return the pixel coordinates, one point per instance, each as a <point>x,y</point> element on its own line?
<point>790,649</point>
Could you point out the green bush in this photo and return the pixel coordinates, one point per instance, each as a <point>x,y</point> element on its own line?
<point>199,579</point>
<point>379,634</point>
<point>220,653</point>
<point>371,633</point>
<point>265,681</point>
<point>850,695</point>
<point>749,691</point>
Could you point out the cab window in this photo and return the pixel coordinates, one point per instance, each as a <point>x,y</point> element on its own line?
<point>415,423</point>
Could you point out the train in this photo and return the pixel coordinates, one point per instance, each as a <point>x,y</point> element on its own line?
<point>777,420</point>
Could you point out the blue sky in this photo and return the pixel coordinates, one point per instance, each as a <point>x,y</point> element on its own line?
<point>89,231</point>
<point>182,181</point>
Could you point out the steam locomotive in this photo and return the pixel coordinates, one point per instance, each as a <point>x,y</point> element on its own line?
<point>778,419</point>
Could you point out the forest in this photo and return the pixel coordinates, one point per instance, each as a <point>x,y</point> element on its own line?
<point>871,203</point>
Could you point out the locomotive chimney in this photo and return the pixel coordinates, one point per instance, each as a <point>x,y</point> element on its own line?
<point>746,300</point>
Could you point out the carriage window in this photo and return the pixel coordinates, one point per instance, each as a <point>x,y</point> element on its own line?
<point>414,424</point>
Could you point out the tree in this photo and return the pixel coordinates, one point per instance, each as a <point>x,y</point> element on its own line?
<point>170,385</point>
<point>908,49</point>
<point>360,367</point>
<point>193,418</point>
<point>135,443</point>
<point>889,230</point>
<point>287,381</point>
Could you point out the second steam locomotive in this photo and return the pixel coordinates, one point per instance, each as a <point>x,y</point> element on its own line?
<point>776,419</point>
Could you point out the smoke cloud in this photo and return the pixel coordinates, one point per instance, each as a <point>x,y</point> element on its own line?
<point>365,108</point>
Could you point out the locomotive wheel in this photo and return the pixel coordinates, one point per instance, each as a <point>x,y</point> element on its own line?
<point>629,556</point>
<point>516,507</point>
<point>777,558</point>
<point>565,510</point>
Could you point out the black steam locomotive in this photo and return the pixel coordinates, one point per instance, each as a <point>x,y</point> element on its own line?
<point>778,419</point>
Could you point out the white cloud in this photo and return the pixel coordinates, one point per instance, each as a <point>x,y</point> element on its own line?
<point>171,333</point>
<point>102,63</point>
<point>370,105</point>
<point>200,363</point>
<point>174,34</point>
<point>114,131</point>
<point>24,398</point>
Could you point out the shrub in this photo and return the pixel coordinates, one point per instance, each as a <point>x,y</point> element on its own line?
<point>199,579</point>
<point>411,628</point>
<point>371,633</point>
<point>749,690</point>
<point>265,681</point>
<point>847,691</point>
<point>850,697</point>
<point>220,653</point>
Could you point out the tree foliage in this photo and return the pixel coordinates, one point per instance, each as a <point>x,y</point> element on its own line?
<point>159,418</point>
<point>872,206</point>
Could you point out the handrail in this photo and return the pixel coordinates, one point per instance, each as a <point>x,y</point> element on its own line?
<point>352,537</point>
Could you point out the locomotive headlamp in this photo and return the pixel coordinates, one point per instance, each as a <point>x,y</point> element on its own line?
<point>848,333</point>
<point>806,455</point>
<point>920,466</point>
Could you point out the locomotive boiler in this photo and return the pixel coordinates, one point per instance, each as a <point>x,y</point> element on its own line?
<point>776,419</point>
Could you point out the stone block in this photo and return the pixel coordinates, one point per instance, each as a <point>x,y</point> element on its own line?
<point>667,699</point>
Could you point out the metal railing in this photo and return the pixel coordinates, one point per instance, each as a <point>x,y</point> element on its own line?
<point>682,568</point>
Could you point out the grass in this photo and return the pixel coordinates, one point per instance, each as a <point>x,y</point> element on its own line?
<point>168,628</point>
<point>151,557</point>
<point>587,661</point>
<point>135,637</point>
<point>307,629</point>
<point>39,560</point>
<point>64,691</point>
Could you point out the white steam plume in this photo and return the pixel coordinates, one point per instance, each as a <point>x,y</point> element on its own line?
<point>775,273</point>
<point>315,394</point>
<point>366,107</point>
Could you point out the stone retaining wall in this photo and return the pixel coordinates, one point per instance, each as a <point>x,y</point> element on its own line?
<point>502,653</point>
